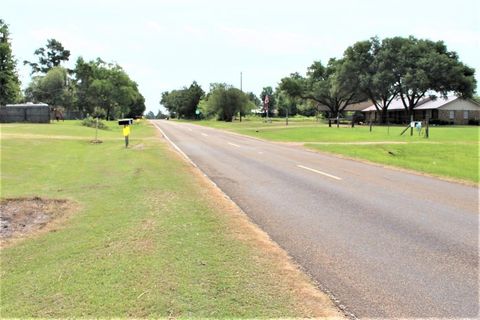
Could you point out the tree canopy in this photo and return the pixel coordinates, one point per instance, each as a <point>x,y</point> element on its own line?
<point>406,68</point>
<point>226,101</point>
<point>373,67</point>
<point>323,85</point>
<point>183,103</point>
<point>52,88</point>
<point>425,67</point>
<point>9,83</point>
<point>106,85</point>
<point>49,57</point>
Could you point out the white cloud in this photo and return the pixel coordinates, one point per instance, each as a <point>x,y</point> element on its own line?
<point>155,26</point>
<point>276,41</point>
<point>195,32</point>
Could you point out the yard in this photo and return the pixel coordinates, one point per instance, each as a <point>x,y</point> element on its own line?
<point>144,235</point>
<point>451,152</point>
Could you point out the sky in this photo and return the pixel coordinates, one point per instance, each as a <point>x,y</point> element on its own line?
<point>166,45</point>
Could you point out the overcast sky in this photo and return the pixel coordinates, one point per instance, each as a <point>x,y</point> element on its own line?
<point>165,45</point>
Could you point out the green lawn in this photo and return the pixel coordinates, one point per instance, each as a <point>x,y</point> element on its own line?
<point>451,152</point>
<point>146,241</point>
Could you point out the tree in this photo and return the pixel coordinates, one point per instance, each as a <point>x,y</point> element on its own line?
<point>150,115</point>
<point>225,101</point>
<point>372,65</point>
<point>51,56</point>
<point>184,102</point>
<point>172,101</point>
<point>323,86</point>
<point>161,115</point>
<point>254,99</point>
<point>52,88</point>
<point>9,83</point>
<point>426,68</point>
<point>285,103</point>
<point>106,85</point>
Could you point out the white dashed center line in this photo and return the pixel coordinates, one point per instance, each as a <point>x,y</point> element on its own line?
<point>204,134</point>
<point>233,144</point>
<point>319,172</point>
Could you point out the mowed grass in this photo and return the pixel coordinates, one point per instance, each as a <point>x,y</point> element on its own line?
<point>451,152</point>
<point>145,240</point>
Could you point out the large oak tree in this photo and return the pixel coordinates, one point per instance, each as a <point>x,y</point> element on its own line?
<point>323,85</point>
<point>426,68</point>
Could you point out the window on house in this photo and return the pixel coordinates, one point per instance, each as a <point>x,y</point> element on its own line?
<point>465,114</point>
<point>452,115</point>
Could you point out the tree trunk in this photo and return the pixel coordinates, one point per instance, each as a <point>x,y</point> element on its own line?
<point>384,115</point>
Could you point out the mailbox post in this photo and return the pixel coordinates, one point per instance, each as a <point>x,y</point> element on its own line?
<point>126,128</point>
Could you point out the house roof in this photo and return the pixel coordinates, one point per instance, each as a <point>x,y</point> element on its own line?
<point>358,106</point>
<point>351,107</point>
<point>424,104</point>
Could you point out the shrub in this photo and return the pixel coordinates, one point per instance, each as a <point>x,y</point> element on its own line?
<point>474,122</point>
<point>440,122</point>
<point>91,122</point>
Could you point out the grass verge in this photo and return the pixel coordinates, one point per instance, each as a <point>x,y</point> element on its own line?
<point>151,238</point>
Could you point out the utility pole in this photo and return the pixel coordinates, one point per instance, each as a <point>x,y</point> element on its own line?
<point>241,89</point>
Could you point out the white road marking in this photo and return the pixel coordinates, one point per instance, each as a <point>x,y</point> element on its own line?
<point>260,152</point>
<point>204,134</point>
<point>319,172</point>
<point>189,129</point>
<point>174,145</point>
<point>233,144</point>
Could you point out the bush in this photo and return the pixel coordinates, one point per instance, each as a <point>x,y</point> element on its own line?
<point>440,122</point>
<point>474,122</point>
<point>91,122</point>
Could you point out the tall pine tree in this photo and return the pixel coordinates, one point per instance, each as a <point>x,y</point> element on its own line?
<point>9,83</point>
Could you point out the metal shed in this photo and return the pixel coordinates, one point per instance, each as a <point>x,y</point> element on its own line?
<point>27,112</point>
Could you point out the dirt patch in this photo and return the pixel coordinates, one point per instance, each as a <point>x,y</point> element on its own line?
<point>140,146</point>
<point>23,217</point>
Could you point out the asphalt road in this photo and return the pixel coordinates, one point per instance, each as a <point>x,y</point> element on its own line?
<point>386,243</point>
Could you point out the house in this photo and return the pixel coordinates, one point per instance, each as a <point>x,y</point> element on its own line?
<point>452,110</point>
<point>27,112</point>
<point>352,111</point>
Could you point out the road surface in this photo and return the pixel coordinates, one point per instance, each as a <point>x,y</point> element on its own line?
<point>386,243</point>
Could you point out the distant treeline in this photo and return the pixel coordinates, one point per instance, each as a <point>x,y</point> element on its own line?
<point>381,71</point>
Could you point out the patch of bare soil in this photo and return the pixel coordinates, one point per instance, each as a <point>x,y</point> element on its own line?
<point>23,217</point>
